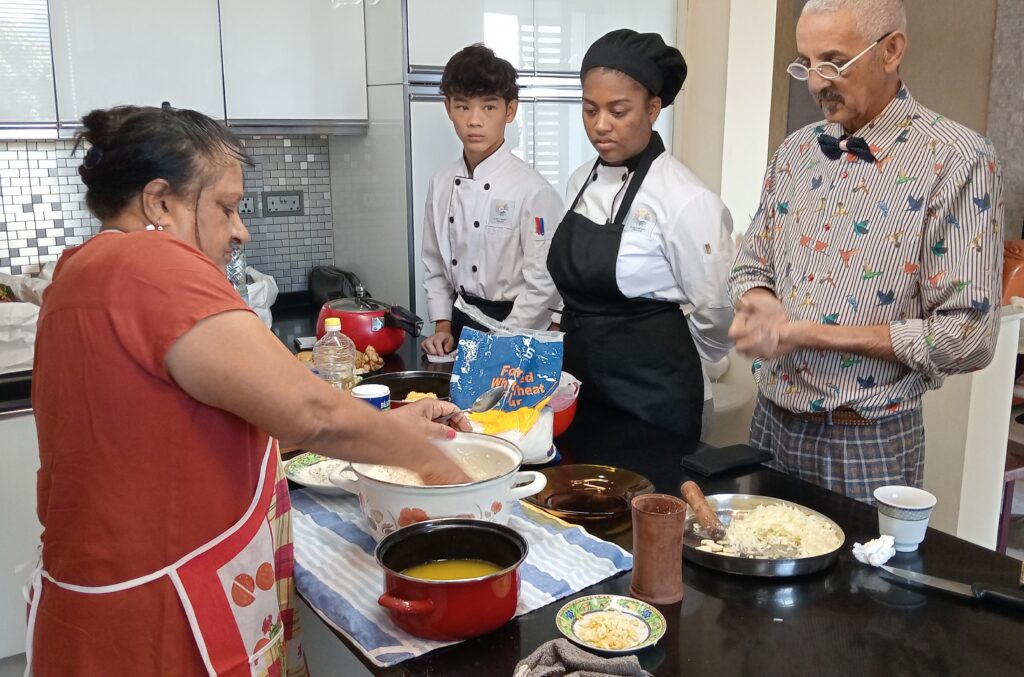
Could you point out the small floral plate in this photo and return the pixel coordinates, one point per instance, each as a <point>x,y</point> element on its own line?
<point>651,622</point>
<point>314,471</point>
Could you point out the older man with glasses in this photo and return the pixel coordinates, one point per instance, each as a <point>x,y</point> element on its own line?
<point>872,266</point>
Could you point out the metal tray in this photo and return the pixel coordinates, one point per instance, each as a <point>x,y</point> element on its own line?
<point>726,505</point>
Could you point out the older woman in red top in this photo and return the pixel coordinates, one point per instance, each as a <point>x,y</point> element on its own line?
<point>158,398</point>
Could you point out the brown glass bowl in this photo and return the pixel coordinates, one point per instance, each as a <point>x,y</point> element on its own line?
<point>581,493</point>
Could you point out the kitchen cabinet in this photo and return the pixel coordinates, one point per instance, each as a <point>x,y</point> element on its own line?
<point>440,28</point>
<point>26,70</point>
<point>19,528</point>
<point>129,52</point>
<point>535,36</point>
<point>566,28</point>
<point>286,60</point>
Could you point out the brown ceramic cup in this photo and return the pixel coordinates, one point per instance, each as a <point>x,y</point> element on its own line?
<point>658,521</point>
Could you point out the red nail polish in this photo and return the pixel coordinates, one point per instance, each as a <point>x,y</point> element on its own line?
<point>450,433</point>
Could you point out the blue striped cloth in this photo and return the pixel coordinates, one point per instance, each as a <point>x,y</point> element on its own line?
<point>336,573</point>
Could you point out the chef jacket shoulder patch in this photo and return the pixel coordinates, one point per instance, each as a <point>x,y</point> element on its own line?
<point>502,213</point>
<point>641,219</point>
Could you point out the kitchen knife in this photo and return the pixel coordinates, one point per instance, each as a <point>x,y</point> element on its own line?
<point>981,591</point>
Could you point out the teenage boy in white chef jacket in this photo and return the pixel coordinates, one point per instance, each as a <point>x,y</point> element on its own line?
<point>489,215</point>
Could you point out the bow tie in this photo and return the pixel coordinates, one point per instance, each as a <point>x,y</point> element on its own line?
<point>833,147</point>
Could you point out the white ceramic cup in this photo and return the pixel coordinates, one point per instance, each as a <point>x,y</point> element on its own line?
<point>903,513</point>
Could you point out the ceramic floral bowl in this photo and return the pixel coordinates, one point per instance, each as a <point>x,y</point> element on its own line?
<point>585,619</point>
<point>392,498</point>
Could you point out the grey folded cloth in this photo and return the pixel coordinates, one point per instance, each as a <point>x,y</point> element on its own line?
<point>561,658</point>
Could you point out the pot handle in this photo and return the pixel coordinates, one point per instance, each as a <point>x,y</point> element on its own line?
<point>536,483</point>
<point>397,316</point>
<point>345,478</point>
<point>406,606</point>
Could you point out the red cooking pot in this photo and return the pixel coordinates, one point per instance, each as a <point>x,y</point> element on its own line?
<point>369,322</point>
<point>457,609</point>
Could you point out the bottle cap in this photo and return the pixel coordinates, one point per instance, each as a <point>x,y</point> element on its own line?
<point>332,324</point>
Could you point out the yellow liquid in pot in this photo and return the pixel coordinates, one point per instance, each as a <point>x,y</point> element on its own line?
<point>451,569</point>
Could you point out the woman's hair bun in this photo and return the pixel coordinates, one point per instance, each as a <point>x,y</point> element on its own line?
<point>129,146</point>
<point>101,125</point>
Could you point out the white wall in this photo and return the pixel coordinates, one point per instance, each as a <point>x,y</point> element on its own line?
<point>965,426</point>
<point>748,100</point>
<point>700,109</point>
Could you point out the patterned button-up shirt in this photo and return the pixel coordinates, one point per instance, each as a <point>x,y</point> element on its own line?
<point>913,240</point>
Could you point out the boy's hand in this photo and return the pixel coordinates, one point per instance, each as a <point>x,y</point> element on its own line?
<point>442,342</point>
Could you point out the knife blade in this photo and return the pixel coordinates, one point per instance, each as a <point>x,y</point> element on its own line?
<point>1007,597</point>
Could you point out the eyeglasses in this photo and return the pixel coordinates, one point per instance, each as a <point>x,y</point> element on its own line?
<point>827,69</point>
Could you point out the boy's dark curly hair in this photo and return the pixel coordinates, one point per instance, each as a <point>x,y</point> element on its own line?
<point>477,71</point>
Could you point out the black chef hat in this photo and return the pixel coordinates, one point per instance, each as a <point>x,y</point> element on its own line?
<point>642,56</point>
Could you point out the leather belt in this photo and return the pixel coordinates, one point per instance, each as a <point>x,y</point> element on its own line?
<point>840,416</point>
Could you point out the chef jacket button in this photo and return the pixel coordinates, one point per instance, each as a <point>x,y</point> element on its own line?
<point>474,269</point>
<point>455,262</point>
<point>595,176</point>
<point>451,219</point>
<point>458,182</point>
<point>487,186</point>
<point>476,224</point>
<point>625,176</point>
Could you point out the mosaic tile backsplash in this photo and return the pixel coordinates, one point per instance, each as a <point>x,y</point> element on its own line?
<point>42,206</point>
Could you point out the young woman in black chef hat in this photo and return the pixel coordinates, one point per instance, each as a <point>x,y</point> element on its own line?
<point>642,238</point>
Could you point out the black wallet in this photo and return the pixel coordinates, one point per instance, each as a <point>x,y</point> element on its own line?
<point>715,461</point>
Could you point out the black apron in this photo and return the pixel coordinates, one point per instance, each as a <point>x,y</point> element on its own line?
<point>496,310</point>
<point>634,354</point>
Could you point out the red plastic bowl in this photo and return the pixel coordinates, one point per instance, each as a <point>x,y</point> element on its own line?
<point>564,418</point>
<point>451,610</point>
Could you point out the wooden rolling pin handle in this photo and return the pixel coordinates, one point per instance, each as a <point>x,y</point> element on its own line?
<point>705,515</point>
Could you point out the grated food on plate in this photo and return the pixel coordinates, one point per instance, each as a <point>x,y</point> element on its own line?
<point>314,470</point>
<point>611,630</point>
<point>414,395</point>
<point>775,531</point>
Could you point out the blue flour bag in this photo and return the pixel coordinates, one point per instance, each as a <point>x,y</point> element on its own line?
<point>529,362</point>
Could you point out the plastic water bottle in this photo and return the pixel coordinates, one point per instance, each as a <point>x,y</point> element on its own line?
<point>334,356</point>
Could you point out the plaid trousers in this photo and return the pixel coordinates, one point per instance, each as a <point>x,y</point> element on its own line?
<point>848,459</point>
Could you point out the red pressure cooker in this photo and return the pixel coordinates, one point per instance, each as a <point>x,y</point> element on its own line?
<point>370,323</point>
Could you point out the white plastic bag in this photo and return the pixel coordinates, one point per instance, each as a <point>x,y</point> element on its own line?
<point>18,319</point>
<point>262,293</point>
<point>26,288</point>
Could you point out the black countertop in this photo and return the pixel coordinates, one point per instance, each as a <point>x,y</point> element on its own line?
<point>847,620</point>
<point>298,318</point>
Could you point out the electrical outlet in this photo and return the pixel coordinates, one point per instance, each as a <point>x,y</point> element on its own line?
<point>282,203</point>
<point>247,205</point>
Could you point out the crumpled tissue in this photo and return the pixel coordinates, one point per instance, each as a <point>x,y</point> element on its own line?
<point>875,552</point>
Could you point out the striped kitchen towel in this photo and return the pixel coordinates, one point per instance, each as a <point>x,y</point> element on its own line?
<point>336,573</point>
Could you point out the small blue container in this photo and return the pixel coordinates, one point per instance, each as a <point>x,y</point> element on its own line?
<point>374,394</point>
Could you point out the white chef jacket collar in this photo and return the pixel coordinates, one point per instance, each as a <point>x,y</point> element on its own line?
<point>490,164</point>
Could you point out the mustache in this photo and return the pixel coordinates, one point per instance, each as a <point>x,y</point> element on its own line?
<point>828,96</point>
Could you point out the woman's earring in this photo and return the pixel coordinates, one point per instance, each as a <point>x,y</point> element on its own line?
<point>152,227</point>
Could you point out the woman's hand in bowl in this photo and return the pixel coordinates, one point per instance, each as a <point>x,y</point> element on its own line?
<point>436,467</point>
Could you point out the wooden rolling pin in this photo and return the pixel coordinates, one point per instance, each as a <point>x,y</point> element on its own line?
<point>705,515</point>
